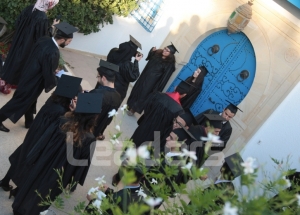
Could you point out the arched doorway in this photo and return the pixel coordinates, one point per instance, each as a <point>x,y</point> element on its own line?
<point>227,70</point>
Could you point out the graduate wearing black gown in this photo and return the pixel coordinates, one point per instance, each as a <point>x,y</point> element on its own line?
<point>226,130</point>
<point>213,123</point>
<point>160,66</point>
<point>128,71</point>
<point>38,75</point>
<point>196,82</point>
<point>31,25</point>
<point>69,146</point>
<point>55,107</point>
<point>160,111</point>
<point>111,98</point>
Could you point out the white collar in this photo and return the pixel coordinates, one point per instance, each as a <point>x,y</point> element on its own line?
<point>223,121</point>
<point>55,42</point>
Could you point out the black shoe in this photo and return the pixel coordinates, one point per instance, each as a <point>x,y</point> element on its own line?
<point>13,192</point>
<point>3,128</point>
<point>5,187</point>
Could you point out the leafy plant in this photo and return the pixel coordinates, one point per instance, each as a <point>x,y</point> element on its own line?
<point>87,15</point>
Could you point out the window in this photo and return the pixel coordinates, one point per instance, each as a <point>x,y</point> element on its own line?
<point>148,13</point>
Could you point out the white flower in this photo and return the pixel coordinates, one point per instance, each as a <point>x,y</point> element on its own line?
<point>101,180</point>
<point>143,152</point>
<point>153,181</point>
<point>212,138</point>
<point>228,210</point>
<point>248,165</point>
<point>100,195</point>
<point>44,212</point>
<point>152,201</point>
<point>131,155</point>
<point>188,166</point>
<point>114,141</point>
<point>112,113</point>
<point>123,108</point>
<point>287,181</point>
<point>188,153</point>
<point>97,203</point>
<point>298,198</point>
<point>118,127</point>
<point>141,193</point>
<point>92,190</point>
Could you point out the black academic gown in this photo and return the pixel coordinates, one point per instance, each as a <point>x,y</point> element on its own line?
<point>30,26</point>
<point>160,110</point>
<point>225,132</point>
<point>48,115</point>
<point>111,100</point>
<point>200,148</point>
<point>38,75</point>
<point>188,100</point>
<point>51,153</point>
<point>153,78</point>
<point>128,72</point>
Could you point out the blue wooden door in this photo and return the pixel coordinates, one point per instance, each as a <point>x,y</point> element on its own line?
<point>223,81</point>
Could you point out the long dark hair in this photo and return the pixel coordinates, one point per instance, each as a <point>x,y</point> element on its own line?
<point>170,58</point>
<point>63,101</point>
<point>79,124</point>
<point>200,79</point>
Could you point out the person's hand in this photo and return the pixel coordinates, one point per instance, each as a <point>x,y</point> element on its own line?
<point>56,71</point>
<point>172,144</point>
<point>138,56</point>
<point>154,49</point>
<point>103,188</point>
<point>55,22</point>
<point>203,178</point>
<point>89,197</point>
<point>72,106</point>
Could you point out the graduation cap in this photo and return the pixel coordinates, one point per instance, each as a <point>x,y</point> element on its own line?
<point>66,30</point>
<point>181,134</point>
<point>2,21</point>
<point>233,108</point>
<point>215,120</point>
<point>89,103</point>
<point>107,69</point>
<point>203,69</point>
<point>234,163</point>
<point>188,117</point>
<point>68,86</point>
<point>172,48</point>
<point>109,65</point>
<point>135,42</point>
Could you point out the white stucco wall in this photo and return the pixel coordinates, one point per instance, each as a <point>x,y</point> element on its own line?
<point>112,35</point>
<point>175,14</point>
<point>278,137</point>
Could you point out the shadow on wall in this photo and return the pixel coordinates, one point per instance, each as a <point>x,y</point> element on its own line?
<point>190,42</point>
